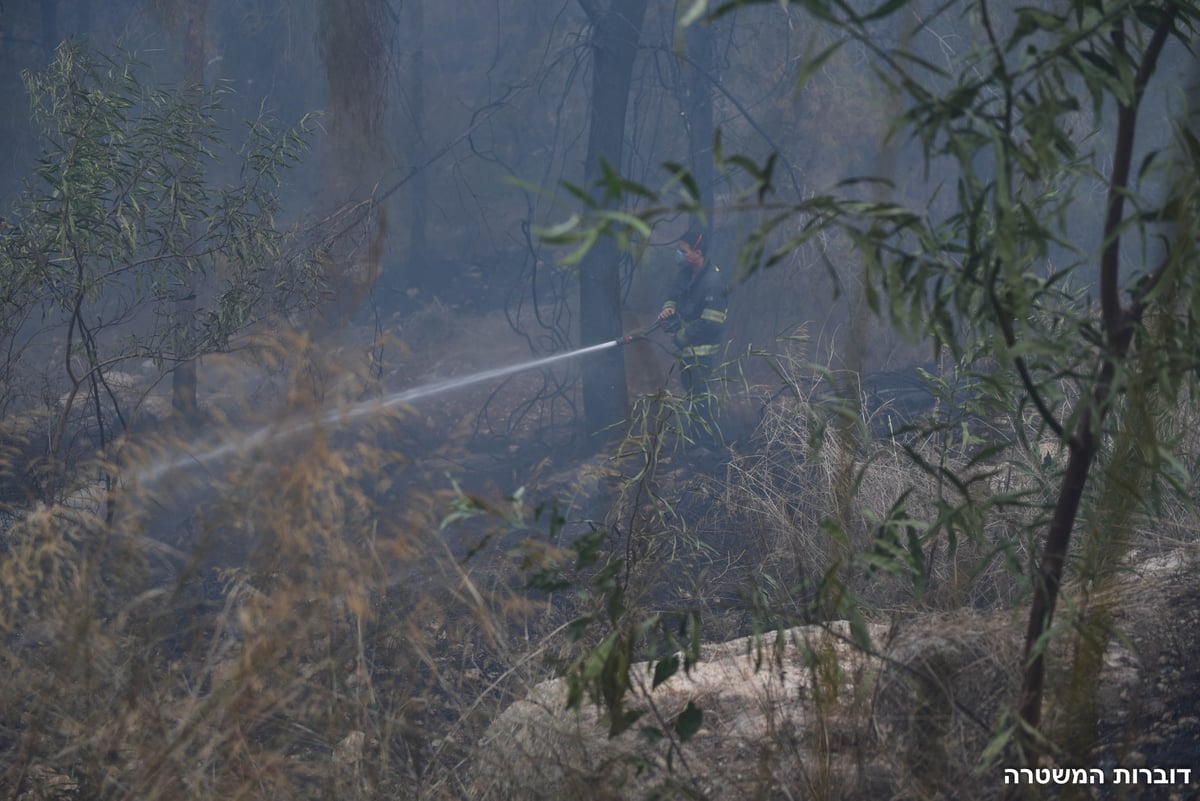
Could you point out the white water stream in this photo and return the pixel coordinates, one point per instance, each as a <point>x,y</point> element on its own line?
<point>215,452</point>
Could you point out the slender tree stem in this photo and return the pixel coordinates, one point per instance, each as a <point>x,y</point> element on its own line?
<point>1048,573</point>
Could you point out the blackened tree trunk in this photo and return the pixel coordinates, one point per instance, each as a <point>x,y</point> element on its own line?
<point>356,40</point>
<point>183,379</point>
<point>616,27</point>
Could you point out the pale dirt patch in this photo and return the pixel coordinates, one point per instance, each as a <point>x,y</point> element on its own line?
<point>821,718</point>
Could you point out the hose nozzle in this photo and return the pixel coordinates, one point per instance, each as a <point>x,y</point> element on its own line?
<point>628,338</point>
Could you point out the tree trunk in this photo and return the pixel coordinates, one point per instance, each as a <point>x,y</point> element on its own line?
<point>614,42</point>
<point>83,18</point>
<point>700,70</point>
<point>49,9</point>
<point>183,380</point>
<point>418,247</point>
<point>1119,331</point>
<point>355,39</point>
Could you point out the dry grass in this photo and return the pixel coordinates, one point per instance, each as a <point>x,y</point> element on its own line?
<point>950,681</point>
<point>795,477</point>
<point>288,623</point>
<point>298,623</point>
<point>771,706</point>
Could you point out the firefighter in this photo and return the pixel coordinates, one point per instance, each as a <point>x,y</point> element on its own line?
<point>695,312</point>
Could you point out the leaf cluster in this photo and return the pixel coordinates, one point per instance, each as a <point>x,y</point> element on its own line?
<point>137,202</point>
<point>998,267</point>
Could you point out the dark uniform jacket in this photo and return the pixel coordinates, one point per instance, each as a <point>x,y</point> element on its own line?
<point>700,304</point>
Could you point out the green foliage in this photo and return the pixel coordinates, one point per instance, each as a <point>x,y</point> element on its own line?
<point>140,231</point>
<point>598,577</point>
<point>689,722</point>
<point>999,270</point>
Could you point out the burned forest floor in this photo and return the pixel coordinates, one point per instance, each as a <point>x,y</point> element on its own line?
<point>366,605</point>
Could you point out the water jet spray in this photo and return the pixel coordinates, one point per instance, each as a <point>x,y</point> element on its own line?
<point>277,432</point>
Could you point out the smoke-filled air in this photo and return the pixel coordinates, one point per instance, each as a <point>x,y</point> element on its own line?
<point>599,399</point>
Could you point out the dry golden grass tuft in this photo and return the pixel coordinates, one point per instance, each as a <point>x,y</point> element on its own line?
<point>795,476</point>
<point>950,680</point>
<point>287,621</point>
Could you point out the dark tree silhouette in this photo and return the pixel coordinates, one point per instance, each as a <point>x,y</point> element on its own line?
<point>183,380</point>
<point>355,47</point>
<point>616,27</point>
<point>418,247</point>
<point>699,75</point>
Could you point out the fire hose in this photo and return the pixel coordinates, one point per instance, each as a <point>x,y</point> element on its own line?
<point>625,340</point>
